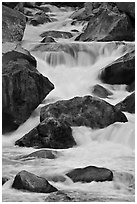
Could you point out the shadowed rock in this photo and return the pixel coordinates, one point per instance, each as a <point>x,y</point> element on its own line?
<point>48,40</point>
<point>50,133</point>
<point>23,88</point>
<point>4,180</point>
<point>56,34</point>
<point>121,71</point>
<point>30,182</point>
<point>128,104</point>
<point>90,173</point>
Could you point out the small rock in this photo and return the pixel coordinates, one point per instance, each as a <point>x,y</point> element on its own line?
<point>90,173</point>
<point>57,34</point>
<point>4,180</point>
<point>30,182</point>
<point>101,92</point>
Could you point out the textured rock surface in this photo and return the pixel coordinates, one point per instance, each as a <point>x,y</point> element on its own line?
<point>58,197</point>
<point>13,25</point>
<point>100,91</point>
<point>122,71</point>
<point>50,133</point>
<point>23,88</point>
<point>108,25</point>
<point>30,182</point>
<point>83,111</point>
<point>90,173</point>
<point>128,104</point>
<point>127,7</point>
<point>56,34</point>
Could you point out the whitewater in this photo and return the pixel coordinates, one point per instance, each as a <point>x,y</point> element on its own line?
<point>75,74</point>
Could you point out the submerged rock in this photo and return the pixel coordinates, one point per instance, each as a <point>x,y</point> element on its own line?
<point>40,19</point>
<point>30,182</point>
<point>90,173</point>
<point>101,92</point>
<point>57,34</point>
<point>13,25</point>
<point>108,25</point>
<point>121,71</point>
<point>23,88</point>
<point>83,111</point>
<point>58,196</point>
<point>47,154</point>
<point>128,104</point>
<point>51,133</point>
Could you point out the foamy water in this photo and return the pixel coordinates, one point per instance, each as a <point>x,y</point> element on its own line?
<point>111,147</point>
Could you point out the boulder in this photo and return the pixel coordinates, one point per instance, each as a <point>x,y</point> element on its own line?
<point>101,92</point>
<point>50,133</point>
<point>131,87</point>
<point>127,7</point>
<point>128,104</point>
<point>30,182</point>
<point>23,88</point>
<point>56,34</point>
<point>40,19</point>
<point>108,25</point>
<point>83,111</point>
<point>90,173</point>
<point>121,71</point>
<point>48,40</point>
<point>13,25</point>
<point>4,180</point>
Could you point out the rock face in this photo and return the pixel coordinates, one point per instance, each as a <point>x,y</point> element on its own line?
<point>50,133</point>
<point>83,111</point>
<point>23,88</point>
<point>101,92</point>
<point>128,104</point>
<point>56,34</point>
<point>127,7</point>
<point>122,71</point>
<point>13,25</point>
<point>90,173</point>
<point>30,182</point>
<point>108,25</point>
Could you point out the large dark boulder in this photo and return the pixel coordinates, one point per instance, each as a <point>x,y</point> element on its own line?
<point>127,7</point>
<point>128,104</point>
<point>50,133</point>
<point>83,111</point>
<point>56,34</point>
<point>108,25</point>
<point>100,91</point>
<point>23,88</point>
<point>30,182</point>
<point>90,173</point>
<point>13,25</point>
<point>121,71</point>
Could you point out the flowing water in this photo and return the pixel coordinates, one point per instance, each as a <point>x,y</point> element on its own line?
<point>74,73</point>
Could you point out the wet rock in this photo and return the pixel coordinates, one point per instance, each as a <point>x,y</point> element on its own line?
<point>58,197</point>
<point>131,87</point>
<point>127,7</point>
<point>108,25</point>
<point>56,178</point>
<point>90,173</point>
<point>4,180</point>
<point>23,88</point>
<point>13,25</point>
<point>30,182</point>
<point>83,111</point>
<point>121,71</point>
<point>50,133</point>
<point>56,34</point>
<point>101,92</point>
<point>48,40</point>
<point>128,104</point>
<point>40,19</point>
<point>47,154</point>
